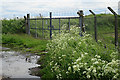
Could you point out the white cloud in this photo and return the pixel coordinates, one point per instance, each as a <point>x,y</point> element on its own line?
<point>22,7</point>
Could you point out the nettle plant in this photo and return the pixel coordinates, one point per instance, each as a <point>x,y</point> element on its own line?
<point>74,57</point>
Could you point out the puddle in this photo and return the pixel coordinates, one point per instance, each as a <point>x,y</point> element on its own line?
<point>16,65</point>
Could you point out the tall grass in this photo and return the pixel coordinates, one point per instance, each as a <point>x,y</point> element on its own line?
<point>24,42</point>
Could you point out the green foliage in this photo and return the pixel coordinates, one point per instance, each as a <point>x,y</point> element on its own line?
<point>13,26</point>
<point>73,57</point>
<point>24,41</point>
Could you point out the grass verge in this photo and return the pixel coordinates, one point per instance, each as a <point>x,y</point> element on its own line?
<point>24,42</point>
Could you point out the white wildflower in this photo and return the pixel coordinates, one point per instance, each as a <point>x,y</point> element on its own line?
<point>85,64</point>
<point>96,62</point>
<point>88,69</point>
<point>78,59</point>
<point>98,67</point>
<point>82,55</point>
<point>69,68</point>
<point>115,76</point>
<point>93,59</point>
<point>84,72</point>
<point>99,74</point>
<point>74,52</point>
<point>55,63</point>
<point>76,67</point>
<point>50,63</point>
<point>59,57</point>
<point>88,76</point>
<point>86,53</point>
<point>98,56</point>
<point>103,61</point>
<point>63,55</point>
<point>94,70</point>
<point>57,76</point>
<point>79,43</point>
<point>67,72</point>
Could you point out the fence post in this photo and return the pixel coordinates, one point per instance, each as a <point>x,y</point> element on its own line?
<point>35,28</point>
<point>26,27</point>
<point>116,26</point>
<point>59,25</point>
<point>80,13</point>
<point>50,25</point>
<point>95,24</point>
<point>42,27</point>
<point>28,23</point>
<point>69,24</point>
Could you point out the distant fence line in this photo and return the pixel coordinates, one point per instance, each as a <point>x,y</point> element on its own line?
<point>81,21</point>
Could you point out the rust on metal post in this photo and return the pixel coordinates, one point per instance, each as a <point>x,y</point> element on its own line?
<point>116,26</point>
<point>95,24</point>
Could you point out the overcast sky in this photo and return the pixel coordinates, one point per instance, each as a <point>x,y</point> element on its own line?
<point>13,8</point>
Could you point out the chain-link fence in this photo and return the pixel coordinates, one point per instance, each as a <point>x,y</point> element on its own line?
<point>105,32</point>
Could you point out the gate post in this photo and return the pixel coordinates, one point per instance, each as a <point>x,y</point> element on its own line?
<point>50,25</point>
<point>59,25</point>
<point>80,13</point>
<point>95,24</point>
<point>116,26</point>
<point>69,24</point>
<point>35,27</point>
<point>26,30</point>
<point>28,23</point>
<point>42,27</point>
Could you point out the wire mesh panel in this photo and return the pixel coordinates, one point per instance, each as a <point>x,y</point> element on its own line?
<point>55,26</point>
<point>45,28</point>
<point>32,25</point>
<point>105,28</point>
<point>89,24</point>
<point>40,27</point>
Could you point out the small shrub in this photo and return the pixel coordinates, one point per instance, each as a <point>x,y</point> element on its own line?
<point>13,26</point>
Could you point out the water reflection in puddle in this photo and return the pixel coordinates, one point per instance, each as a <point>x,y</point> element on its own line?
<point>16,65</point>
